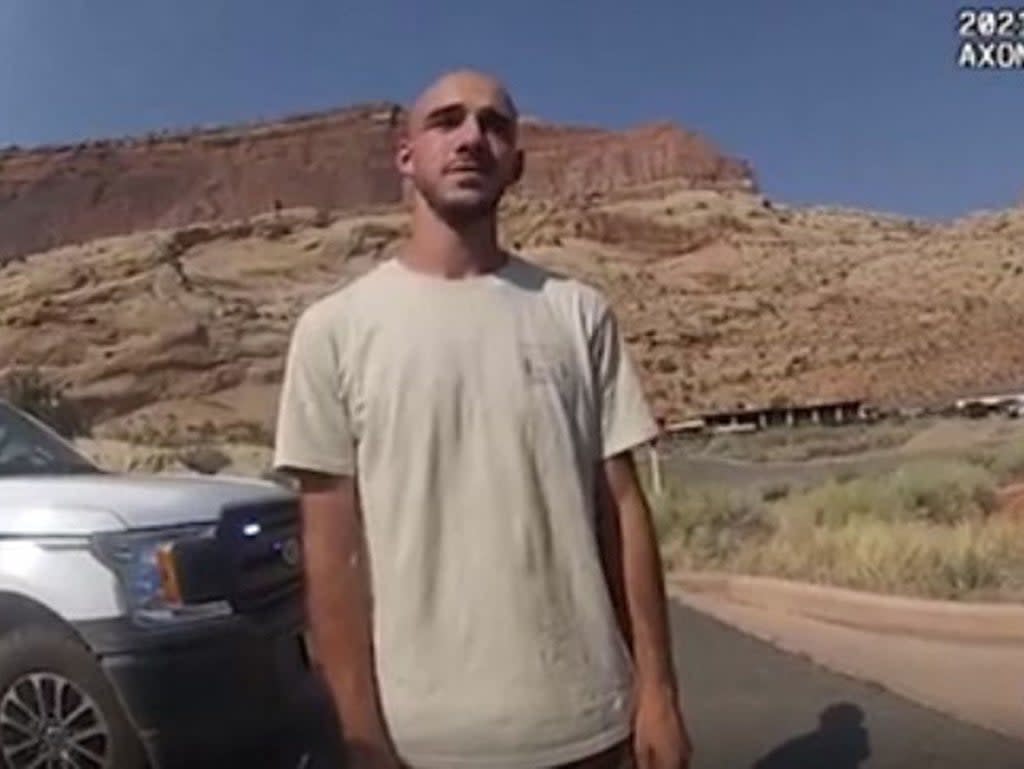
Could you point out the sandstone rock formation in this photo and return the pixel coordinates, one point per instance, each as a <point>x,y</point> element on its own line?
<point>724,299</point>
<point>341,160</point>
<point>167,306</point>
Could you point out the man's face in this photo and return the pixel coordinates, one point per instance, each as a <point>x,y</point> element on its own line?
<point>460,152</point>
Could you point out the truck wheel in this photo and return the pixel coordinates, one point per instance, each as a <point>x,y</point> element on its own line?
<point>57,708</point>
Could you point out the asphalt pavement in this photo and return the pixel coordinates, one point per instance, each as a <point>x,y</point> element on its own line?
<point>750,706</point>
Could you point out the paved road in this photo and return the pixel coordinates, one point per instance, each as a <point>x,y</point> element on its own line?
<point>751,706</point>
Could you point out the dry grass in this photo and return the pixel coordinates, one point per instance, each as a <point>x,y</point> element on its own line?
<point>1006,462</point>
<point>942,492</point>
<point>969,560</point>
<point>927,529</point>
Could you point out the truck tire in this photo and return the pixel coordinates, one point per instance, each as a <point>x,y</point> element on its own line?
<point>55,700</point>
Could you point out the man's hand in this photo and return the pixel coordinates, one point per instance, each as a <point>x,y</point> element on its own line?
<point>660,738</point>
<point>361,755</point>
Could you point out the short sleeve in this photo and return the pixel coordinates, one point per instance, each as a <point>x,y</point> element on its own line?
<point>314,425</point>
<point>625,416</point>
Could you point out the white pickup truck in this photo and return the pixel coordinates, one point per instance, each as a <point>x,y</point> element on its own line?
<point>147,621</point>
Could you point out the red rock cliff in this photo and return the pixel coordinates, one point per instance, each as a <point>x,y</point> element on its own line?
<point>342,159</point>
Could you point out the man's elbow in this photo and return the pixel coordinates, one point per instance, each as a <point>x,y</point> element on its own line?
<point>620,480</point>
<point>330,521</point>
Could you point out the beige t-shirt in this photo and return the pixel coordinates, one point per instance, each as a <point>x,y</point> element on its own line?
<point>474,412</point>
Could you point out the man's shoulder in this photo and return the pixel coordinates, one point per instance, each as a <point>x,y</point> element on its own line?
<point>345,300</point>
<point>565,288</point>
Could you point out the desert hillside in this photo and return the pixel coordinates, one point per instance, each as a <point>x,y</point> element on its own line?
<point>158,278</point>
<point>340,160</point>
<point>725,298</point>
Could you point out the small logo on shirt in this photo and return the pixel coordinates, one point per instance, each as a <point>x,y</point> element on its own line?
<point>541,363</point>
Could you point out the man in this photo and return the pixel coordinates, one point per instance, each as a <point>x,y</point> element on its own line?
<point>484,587</point>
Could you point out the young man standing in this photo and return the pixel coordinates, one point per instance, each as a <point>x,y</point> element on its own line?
<point>484,586</point>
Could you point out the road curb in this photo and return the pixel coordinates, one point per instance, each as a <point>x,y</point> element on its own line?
<point>920,618</point>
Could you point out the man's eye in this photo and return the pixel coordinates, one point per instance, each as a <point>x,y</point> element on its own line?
<point>499,128</point>
<point>447,120</point>
<point>496,124</point>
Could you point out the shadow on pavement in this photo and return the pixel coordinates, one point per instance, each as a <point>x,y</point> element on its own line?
<point>840,742</point>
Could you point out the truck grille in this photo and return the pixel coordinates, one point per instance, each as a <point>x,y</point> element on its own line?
<point>263,547</point>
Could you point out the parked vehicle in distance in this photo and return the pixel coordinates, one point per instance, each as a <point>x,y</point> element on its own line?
<point>145,621</point>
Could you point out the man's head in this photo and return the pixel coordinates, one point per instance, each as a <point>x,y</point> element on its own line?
<point>460,149</point>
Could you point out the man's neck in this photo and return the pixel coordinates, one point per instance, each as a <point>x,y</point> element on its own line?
<point>438,248</point>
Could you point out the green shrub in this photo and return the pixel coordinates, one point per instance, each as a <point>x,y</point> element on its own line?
<point>944,492</point>
<point>708,524</point>
<point>981,457</point>
<point>941,492</point>
<point>773,492</point>
<point>847,474</point>
<point>1008,462</point>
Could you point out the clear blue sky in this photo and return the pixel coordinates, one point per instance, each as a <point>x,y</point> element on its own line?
<point>850,103</point>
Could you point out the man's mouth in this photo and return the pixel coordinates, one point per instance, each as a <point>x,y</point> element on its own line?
<point>466,168</point>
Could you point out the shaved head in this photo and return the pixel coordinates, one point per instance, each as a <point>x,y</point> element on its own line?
<point>455,87</point>
<point>459,148</point>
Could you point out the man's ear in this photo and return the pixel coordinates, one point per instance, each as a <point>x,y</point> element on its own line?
<point>403,157</point>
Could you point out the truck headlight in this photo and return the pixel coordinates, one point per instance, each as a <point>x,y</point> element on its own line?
<point>166,575</point>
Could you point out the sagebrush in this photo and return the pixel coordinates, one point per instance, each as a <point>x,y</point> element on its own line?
<point>926,528</point>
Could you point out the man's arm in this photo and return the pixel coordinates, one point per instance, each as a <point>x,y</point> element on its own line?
<point>630,551</point>
<point>340,613</point>
<point>630,548</point>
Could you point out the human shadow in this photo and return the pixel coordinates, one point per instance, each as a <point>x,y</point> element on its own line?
<point>841,741</point>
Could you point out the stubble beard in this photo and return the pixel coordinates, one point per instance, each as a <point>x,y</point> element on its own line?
<point>460,214</point>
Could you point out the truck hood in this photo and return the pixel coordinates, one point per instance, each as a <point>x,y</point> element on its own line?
<point>137,501</point>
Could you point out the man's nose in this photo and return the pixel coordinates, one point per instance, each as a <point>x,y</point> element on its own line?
<point>471,132</point>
